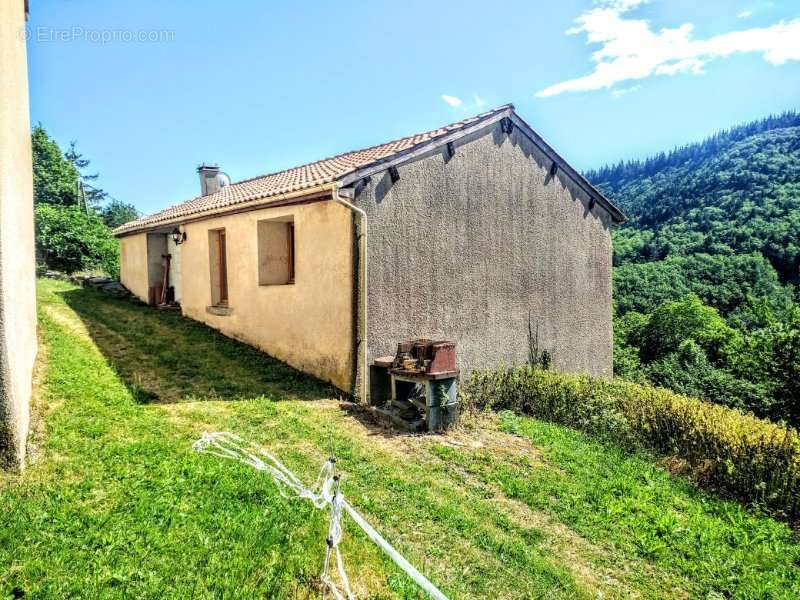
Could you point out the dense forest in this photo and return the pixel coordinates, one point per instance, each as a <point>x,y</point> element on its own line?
<point>707,267</point>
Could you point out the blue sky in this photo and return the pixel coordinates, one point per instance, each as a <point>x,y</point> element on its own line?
<point>151,89</point>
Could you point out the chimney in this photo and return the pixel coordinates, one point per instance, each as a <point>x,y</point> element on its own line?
<point>209,179</point>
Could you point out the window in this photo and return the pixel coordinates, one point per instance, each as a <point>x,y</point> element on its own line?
<point>276,251</point>
<point>218,260</point>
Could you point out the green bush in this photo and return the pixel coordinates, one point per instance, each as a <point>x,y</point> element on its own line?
<point>68,239</point>
<point>723,449</point>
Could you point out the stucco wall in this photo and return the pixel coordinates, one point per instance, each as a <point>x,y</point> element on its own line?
<point>307,324</point>
<point>17,254</point>
<point>133,264</point>
<point>156,249</point>
<point>175,277</point>
<point>468,248</point>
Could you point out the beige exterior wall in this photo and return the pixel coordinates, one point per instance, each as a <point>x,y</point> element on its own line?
<point>133,264</point>
<point>17,253</point>
<point>308,324</point>
<point>175,277</point>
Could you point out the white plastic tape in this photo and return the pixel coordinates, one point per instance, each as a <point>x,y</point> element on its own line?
<point>325,493</point>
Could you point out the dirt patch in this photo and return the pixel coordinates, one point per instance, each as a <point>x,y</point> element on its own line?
<point>480,433</point>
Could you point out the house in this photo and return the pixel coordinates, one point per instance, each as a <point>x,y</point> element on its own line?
<point>17,254</point>
<point>477,232</point>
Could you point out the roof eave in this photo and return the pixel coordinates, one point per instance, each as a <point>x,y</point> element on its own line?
<point>424,147</point>
<point>504,111</point>
<point>616,214</point>
<point>312,194</point>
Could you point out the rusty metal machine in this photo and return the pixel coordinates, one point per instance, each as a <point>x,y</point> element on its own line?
<point>416,388</point>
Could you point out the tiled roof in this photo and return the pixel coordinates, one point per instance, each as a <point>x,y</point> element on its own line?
<point>296,179</point>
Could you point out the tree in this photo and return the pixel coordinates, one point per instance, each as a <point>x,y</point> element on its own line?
<point>55,179</point>
<point>69,239</point>
<point>91,196</point>
<point>117,213</point>
<point>722,281</point>
<point>673,323</point>
<point>688,371</point>
<point>770,353</point>
<point>720,220</point>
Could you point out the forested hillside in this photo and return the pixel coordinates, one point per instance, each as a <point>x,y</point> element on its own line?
<point>707,266</point>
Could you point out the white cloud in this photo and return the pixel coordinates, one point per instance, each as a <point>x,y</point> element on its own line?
<point>630,50</point>
<point>479,102</point>
<point>745,14</point>
<point>452,100</point>
<point>625,91</point>
<point>620,5</point>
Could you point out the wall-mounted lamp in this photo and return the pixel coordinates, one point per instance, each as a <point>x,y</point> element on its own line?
<point>178,236</point>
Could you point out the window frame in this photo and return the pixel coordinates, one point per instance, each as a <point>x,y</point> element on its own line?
<point>290,251</point>
<point>222,293</point>
<point>288,232</point>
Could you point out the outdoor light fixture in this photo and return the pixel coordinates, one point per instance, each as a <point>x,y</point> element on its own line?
<point>178,236</point>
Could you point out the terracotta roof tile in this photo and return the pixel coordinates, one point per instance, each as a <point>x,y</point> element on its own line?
<point>296,179</point>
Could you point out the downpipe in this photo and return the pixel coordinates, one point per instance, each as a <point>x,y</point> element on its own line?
<point>336,195</point>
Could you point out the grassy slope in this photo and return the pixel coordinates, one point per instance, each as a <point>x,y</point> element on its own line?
<point>117,505</point>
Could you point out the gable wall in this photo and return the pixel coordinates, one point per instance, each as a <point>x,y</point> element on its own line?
<point>467,249</point>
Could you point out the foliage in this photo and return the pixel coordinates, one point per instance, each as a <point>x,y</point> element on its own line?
<point>719,220</point>
<point>689,371</point>
<point>70,233</point>
<point>91,196</point>
<point>724,449</point>
<point>748,361</point>
<point>734,198</point>
<point>687,319</point>
<point>55,179</point>
<point>722,281</point>
<point>117,213</point>
<point>70,240</point>
<point>771,354</point>
<point>692,154</point>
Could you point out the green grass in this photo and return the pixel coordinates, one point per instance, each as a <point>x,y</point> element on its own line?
<point>117,505</point>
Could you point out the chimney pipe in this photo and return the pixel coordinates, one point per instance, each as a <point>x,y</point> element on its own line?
<point>209,179</point>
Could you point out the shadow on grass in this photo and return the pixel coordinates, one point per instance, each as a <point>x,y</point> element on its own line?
<point>164,357</point>
<point>376,426</point>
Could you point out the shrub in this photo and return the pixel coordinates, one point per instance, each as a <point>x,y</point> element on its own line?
<point>69,240</point>
<point>688,371</point>
<point>751,459</point>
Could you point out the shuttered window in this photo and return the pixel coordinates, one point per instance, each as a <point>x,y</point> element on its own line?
<point>276,251</point>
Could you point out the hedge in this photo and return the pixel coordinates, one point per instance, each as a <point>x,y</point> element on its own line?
<point>723,449</point>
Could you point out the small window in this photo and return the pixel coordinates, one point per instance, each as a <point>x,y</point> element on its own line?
<point>218,260</point>
<point>276,251</point>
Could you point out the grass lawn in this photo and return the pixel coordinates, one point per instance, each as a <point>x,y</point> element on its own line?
<point>117,505</point>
